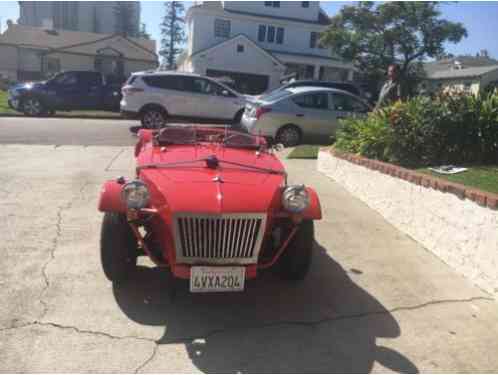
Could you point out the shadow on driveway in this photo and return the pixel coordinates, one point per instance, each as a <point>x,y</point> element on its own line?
<point>324,324</point>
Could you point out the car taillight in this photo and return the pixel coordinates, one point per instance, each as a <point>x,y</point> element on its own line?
<point>260,111</point>
<point>130,90</point>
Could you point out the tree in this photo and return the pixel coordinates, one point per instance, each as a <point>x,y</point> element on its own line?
<point>143,32</point>
<point>124,12</point>
<point>376,35</point>
<point>172,32</point>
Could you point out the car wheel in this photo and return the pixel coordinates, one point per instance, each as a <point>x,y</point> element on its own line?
<point>153,119</point>
<point>289,136</point>
<point>32,106</point>
<point>296,259</point>
<point>118,248</point>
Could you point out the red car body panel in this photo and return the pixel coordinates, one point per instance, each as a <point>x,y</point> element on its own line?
<point>193,187</point>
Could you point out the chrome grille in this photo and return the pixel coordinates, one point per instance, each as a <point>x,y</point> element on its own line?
<point>218,239</point>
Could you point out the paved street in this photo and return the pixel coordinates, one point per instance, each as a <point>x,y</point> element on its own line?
<point>374,300</point>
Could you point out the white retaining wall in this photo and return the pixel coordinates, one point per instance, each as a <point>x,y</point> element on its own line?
<point>459,231</point>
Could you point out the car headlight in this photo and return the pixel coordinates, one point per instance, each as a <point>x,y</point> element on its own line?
<point>295,198</point>
<point>135,194</point>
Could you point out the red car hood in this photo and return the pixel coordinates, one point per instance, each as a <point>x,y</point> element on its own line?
<point>193,187</point>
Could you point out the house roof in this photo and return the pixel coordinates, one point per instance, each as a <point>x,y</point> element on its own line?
<point>77,42</point>
<point>238,36</point>
<point>462,73</point>
<point>466,61</point>
<point>323,18</point>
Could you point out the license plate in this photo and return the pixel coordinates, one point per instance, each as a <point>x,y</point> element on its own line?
<point>217,279</point>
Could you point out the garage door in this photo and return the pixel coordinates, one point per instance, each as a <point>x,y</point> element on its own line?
<point>245,83</point>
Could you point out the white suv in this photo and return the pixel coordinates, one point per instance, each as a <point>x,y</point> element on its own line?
<point>160,97</point>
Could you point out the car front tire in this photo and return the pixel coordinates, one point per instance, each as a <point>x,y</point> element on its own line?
<point>289,136</point>
<point>118,248</point>
<point>32,106</point>
<point>153,118</point>
<point>295,262</point>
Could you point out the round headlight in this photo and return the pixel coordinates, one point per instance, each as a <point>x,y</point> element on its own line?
<point>295,198</point>
<point>135,194</point>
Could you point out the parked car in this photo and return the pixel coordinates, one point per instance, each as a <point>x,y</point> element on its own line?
<point>339,85</point>
<point>210,205</point>
<point>66,91</point>
<point>291,114</point>
<point>160,97</point>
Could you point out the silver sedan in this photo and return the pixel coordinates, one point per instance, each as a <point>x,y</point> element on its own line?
<point>290,115</point>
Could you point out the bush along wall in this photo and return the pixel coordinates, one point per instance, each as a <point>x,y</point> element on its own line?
<point>446,129</point>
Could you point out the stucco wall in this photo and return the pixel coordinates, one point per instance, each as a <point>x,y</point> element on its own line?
<point>74,62</point>
<point>296,35</point>
<point>8,62</point>
<point>459,231</point>
<point>252,60</point>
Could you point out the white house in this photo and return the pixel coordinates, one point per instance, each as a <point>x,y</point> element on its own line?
<point>257,44</point>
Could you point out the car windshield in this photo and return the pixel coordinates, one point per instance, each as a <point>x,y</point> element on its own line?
<point>193,135</point>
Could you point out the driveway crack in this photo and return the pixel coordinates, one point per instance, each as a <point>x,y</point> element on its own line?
<point>108,167</point>
<point>55,244</point>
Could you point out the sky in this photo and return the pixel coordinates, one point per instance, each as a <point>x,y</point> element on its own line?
<point>480,19</point>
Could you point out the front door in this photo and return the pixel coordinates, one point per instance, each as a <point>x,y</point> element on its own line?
<point>313,114</point>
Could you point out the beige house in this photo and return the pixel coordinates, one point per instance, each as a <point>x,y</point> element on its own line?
<point>460,76</point>
<point>30,53</point>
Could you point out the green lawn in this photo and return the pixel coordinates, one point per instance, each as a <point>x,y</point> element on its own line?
<point>4,107</point>
<point>481,177</point>
<point>305,152</point>
<point>5,110</point>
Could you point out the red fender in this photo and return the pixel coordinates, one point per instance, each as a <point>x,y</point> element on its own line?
<point>144,136</point>
<point>314,210</point>
<point>110,198</point>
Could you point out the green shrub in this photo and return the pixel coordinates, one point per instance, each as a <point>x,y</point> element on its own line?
<point>427,131</point>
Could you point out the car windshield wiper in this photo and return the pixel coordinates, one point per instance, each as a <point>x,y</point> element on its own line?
<point>211,162</point>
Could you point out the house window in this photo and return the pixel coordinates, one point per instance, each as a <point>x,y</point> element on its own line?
<point>262,33</point>
<point>240,48</point>
<point>268,3</point>
<point>222,28</point>
<point>53,65</point>
<point>280,35</point>
<point>305,4</point>
<point>276,4</point>
<point>271,34</point>
<point>313,37</point>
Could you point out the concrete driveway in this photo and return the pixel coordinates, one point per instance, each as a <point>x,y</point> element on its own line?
<point>374,300</point>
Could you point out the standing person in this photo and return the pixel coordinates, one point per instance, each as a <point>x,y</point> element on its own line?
<point>392,90</point>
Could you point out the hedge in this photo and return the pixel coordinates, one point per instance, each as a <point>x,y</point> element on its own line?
<point>446,129</point>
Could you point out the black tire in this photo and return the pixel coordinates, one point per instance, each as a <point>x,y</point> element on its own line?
<point>32,106</point>
<point>118,248</point>
<point>237,119</point>
<point>295,262</point>
<point>289,136</point>
<point>153,118</point>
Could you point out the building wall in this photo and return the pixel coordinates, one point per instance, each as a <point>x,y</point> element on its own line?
<point>90,16</point>
<point>290,9</point>
<point>296,35</point>
<point>8,62</point>
<point>252,60</point>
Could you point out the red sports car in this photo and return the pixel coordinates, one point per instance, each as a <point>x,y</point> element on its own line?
<point>209,205</point>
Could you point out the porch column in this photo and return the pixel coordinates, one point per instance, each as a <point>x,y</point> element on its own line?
<point>350,75</point>
<point>316,73</point>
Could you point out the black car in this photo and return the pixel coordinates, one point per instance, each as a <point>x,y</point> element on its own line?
<point>72,90</point>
